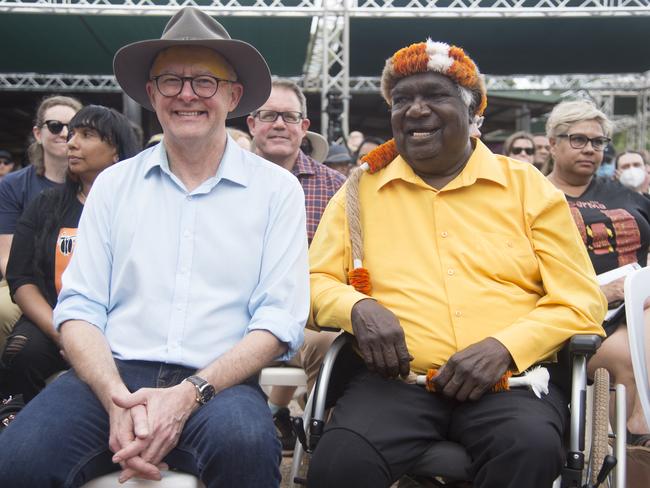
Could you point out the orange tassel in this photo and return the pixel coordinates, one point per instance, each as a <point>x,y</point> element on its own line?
<point>381,156</point>
<point>360,279</point>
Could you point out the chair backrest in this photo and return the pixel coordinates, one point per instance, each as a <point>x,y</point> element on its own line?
<point>637,289</point>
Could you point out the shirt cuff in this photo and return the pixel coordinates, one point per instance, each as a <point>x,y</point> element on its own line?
<point>79,308</point>
<point>285,327</point>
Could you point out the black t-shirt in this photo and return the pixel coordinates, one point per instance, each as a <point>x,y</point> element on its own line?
<point>614,223</point>
<point>22,265</point>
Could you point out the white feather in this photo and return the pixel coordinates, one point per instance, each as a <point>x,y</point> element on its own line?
<point>536,379</point>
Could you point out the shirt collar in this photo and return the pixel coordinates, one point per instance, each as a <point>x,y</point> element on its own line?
<point>482,164</point>
<point>232,167</point>
<point>304,165</point>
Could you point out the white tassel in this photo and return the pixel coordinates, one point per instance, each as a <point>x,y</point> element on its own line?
<point>536,379</point>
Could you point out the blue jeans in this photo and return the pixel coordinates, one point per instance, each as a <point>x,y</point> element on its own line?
<point>60,439</point>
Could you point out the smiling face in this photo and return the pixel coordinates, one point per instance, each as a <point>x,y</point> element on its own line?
<point>88,154</point>
<point>55,146</point>
<point>577,165</point>
<point>279,141</point>
<point>430,125</point>
<point>187,118</point>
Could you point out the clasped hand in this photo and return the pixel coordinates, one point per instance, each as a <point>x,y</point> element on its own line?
<point>469,373</point>
<point>145,426</point>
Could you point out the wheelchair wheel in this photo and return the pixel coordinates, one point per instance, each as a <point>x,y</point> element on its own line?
<point>600,423</point>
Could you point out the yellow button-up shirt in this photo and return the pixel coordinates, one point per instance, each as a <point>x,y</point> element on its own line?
<point>495,253</point>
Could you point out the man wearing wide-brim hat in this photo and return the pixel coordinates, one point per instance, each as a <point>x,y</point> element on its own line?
<point>189,275</point>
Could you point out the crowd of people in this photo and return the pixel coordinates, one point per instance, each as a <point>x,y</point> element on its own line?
<point>149,286</point>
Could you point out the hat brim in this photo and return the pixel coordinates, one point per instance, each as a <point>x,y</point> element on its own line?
<point>319,146</point>
<point>132,63</point>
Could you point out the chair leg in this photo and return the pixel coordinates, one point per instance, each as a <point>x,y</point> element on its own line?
<point>620,431</point>
<point>299,452</point>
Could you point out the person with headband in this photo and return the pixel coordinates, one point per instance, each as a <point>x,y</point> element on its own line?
<point>441,254</point>
<point>189,275</point>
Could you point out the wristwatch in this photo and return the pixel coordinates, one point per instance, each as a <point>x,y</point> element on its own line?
<point>204,390</point>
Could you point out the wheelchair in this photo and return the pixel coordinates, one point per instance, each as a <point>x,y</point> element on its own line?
<point>448,464</point>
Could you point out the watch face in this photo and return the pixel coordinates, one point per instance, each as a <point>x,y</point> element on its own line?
<point>207,393</point>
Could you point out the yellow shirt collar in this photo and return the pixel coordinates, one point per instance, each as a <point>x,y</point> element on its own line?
<point>482,164</point>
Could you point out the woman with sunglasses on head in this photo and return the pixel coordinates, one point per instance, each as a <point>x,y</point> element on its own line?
<point>520,146</point>
<point>47,155</point>
<point>614,222</point>
<point>43,244</point>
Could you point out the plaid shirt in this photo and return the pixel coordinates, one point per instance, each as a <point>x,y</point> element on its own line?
<point>319,183</point>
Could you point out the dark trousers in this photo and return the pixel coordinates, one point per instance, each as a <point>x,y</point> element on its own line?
<point>380,427</point>
<point>28,360</point>
<point>60,439</point>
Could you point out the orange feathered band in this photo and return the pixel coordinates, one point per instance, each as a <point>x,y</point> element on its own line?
<point>437,57</point>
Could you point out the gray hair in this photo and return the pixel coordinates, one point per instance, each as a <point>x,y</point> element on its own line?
<point>565,114</point>
<point>290,85</point>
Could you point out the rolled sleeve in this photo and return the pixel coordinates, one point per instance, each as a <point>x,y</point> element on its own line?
<point>86,281</point>
<point>573,303</point>
<point>280,302</point>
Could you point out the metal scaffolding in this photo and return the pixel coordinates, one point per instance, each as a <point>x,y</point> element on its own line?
<point>327,68</point>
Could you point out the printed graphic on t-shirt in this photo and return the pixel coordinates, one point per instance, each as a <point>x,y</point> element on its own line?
<point>608,231</point>
<point>63,253</point>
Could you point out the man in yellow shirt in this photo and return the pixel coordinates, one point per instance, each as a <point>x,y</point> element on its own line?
<point>443,255</point>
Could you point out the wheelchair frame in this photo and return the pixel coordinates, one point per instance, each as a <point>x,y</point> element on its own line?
<point>579,349</point>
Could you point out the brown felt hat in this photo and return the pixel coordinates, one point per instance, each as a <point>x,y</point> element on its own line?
<point>192,27</point>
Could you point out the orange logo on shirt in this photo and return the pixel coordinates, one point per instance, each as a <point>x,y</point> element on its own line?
<point>63,253</point>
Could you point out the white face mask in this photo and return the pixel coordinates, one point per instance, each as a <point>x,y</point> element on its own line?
<point>633,177</point>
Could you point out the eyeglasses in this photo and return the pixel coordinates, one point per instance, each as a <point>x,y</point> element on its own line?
<point>272,116</point>
<point>55,126</point>
<point>518,150</point>
<point>204,86</point>
<point>578,141</point>
<point>6,162</point>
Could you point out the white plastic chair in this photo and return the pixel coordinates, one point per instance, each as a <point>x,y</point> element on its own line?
<point>170,479</point>
<point>637,289</point>
<point>282,376</point>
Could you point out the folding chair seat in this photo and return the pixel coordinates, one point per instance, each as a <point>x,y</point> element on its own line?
<point>449,461</point>
<point>170,479</point>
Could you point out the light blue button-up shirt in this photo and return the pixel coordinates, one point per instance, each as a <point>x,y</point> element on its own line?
<point>180,277</point>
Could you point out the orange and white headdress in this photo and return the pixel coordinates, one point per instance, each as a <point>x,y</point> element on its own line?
<point>436,57</point>
<point>422,57</point>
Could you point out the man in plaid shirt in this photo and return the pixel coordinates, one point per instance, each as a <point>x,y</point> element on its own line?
<point>278,128</point>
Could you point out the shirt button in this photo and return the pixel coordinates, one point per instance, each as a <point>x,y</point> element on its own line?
<point>444,233</point>
<point>189,197</point>
<point>187,234</point>
<point>458,313</point>
<point>450,271</point>
<point>509,244</point>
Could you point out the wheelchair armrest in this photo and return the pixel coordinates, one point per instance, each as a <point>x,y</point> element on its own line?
<point>584,344</point>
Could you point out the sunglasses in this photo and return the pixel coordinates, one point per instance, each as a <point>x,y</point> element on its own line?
<point>54,126</point>
<point>6,162</point>
<point>518,150</point>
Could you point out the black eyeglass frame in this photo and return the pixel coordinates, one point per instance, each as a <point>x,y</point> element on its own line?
<point>518,150</point>
<point>279,114</point>
<point>191,79</point>
<point>597,147</point>
<point>56,123</point>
